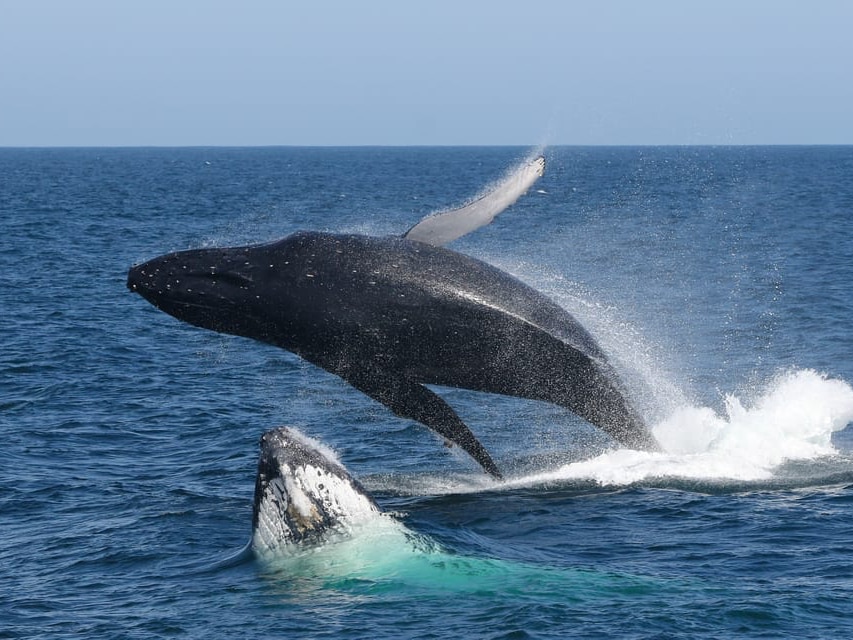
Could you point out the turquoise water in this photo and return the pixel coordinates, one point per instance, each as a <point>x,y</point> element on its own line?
<point>718,279</point>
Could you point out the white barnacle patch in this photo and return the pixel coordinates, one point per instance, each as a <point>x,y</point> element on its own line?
<point>302,508</point>
<point>318,493</point>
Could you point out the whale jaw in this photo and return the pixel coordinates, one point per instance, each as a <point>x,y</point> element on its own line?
<point>302,494</point>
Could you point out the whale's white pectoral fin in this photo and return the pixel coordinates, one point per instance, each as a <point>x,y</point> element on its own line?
<point>440,228</point>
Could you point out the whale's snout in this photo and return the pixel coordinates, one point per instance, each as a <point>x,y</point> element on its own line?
<point>302,492</point>
<point>211,288</point>
<point>153,280</point>
<point>134,278</point>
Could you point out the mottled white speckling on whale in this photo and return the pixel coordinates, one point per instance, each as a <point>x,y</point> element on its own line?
<point>301,493</point>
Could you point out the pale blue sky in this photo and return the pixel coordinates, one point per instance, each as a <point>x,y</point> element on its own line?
<point>255,72</point>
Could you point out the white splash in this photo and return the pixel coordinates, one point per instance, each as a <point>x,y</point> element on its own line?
<point>368,548</point>
<point>311,443</point>
<point>793,419</point>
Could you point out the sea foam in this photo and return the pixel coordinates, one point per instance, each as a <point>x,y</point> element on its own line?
<point>793,418</point>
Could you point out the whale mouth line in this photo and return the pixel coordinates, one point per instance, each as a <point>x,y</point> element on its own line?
<point>172,304</point>
<point>179,295</point>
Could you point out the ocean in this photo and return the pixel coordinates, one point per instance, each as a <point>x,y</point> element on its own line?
<point>719,281</point>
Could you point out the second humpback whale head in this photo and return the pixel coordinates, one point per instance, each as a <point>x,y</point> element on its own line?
<point>302,493</point>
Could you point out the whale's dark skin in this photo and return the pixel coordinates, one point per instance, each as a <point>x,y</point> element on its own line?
<point>389,315</point>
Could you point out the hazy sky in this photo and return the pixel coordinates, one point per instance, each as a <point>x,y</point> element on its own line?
<point>380,72</point>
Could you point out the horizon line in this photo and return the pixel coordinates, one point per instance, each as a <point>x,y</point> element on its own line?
<point>420,146</point>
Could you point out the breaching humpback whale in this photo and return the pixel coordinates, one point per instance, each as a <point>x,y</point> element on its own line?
<point>390,315</point>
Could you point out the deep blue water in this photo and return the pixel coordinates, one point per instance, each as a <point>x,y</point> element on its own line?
<point>720,281</point>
